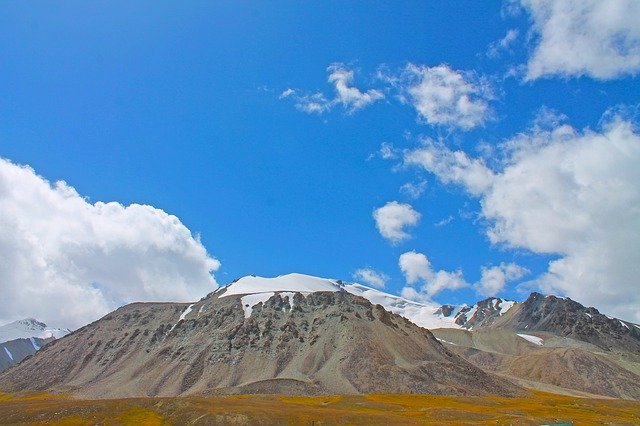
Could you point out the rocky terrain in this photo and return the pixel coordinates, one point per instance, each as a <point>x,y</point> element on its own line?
<point>322,342</point>
<point>567,318</point>
<point>297,334</point>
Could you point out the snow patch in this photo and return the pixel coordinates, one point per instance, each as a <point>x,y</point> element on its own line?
<point>182,316</point>
<point>290,296</point>
<point>185,313</point>
<point>505,306</point>
<point>533,339</point>
<point>472,312</point>
<point>588,314</point>
<point>8,353</point>
<point>624,324</point>
<point>251,300</point>
<point>33,342</point>
<point>445,341</point>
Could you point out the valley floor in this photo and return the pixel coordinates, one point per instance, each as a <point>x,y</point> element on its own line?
<point>540,408</point>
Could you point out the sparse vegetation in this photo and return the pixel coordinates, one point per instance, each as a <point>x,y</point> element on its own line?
<point>35,409</point>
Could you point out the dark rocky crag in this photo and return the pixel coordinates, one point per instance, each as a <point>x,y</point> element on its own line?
<point>567,318</point>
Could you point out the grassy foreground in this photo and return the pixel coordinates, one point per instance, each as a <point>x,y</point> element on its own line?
<point>325,410</point>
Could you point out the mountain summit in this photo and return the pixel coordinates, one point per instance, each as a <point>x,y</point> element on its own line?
<point>291,334</point>
<point>22,338</point>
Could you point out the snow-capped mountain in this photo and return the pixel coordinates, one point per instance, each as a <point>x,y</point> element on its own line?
<point>30,327</point>
<point>301,334</point>
<point>559,316</point>
<point>258,289</point>
<point>22,338</point>
<point>481,314</point>
<point>293,334</point>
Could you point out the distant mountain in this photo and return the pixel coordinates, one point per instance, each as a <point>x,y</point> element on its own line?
<point>30,327</point>
<point>554,344</point>
<point>567,318</point>
<point>22,338</point>
<point>292,334</point>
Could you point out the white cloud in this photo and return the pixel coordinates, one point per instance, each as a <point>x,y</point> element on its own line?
<point>414,190</point>
<point>418,270</point>
<point>447,220</point>
<point>392,219</point>
<point>313,104</point>
<point>387,151</point>
<point>350,97</point>
<point>567,193</point>
<point>503,45</point>
<point>446,97</point>
<point>451,166</point>
<point>68,262</point>
<point>597,38</point>
<point>287,92</point>
<point>371,277</point>
<point>493,279</point>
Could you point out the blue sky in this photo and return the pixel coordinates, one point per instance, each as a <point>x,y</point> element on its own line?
<point>180,106</point>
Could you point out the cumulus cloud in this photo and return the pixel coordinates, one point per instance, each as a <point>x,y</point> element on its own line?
<point>563,192</point>
<point>350,97</point>
<point>600,39</point>
<point>371,277</point>
<point>418,270</point>
<point>424,282</point>
<point>493,279</point>
<point>392,219</point>
<point>67,262</point>
<point>446,97</point>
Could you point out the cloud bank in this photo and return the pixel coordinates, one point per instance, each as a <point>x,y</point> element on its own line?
<point>572,194</point>
<point>68,262</point>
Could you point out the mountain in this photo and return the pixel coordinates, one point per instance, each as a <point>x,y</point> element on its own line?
<point>291,334</point>
<point>554,343</point>
<point>30,327</point>
<point>307,335</point>
<point>22,338</point>
<point>567,318</point>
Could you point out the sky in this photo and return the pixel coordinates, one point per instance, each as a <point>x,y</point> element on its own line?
<point>442,151</point>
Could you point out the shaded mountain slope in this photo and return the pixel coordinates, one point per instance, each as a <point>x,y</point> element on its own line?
<point>563,363</point>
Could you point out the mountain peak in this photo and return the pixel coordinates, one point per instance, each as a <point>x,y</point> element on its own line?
<point>30,327</point>
<point>294,282</point>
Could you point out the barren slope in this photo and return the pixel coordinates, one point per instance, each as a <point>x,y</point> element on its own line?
<point>323,342</point>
